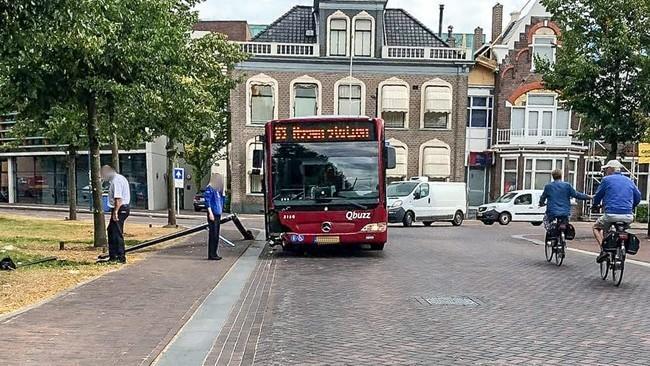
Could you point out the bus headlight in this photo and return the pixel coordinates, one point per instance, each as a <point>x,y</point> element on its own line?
<point>397,204</point>
<point>378,227</point>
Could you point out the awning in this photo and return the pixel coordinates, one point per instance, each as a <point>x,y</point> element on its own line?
<point>438,99</point>
<point>394,98</point>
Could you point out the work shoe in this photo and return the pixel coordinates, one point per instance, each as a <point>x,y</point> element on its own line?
<point>602,257</point>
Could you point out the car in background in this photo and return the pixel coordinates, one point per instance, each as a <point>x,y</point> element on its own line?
<point>426,202</point>
<point>199,201</point>
<point>518,206</point>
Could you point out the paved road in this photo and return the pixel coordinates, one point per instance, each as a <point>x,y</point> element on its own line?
<point>354,308</point>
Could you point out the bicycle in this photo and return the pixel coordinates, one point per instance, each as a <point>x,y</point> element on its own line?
<point>614,245</point>
<point>555,241</point>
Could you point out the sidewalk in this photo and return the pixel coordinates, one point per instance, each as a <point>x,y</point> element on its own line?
<point>126,317</point>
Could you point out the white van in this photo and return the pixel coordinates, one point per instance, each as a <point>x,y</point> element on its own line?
<point>426,202</point>
<point>521,206</point>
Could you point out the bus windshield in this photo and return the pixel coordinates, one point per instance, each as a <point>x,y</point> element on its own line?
<point>325,173</point>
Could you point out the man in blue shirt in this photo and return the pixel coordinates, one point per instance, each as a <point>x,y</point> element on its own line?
<point>619,196</point>
<point>557,198</point>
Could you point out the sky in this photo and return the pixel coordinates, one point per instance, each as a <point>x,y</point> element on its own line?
<point>464,15</point>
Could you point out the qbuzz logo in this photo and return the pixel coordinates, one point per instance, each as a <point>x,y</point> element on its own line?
<point>353,215</point>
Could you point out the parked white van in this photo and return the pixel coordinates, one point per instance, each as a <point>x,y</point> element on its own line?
<point>426,202</point>
<point>521,206</point>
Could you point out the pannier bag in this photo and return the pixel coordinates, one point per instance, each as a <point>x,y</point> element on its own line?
<point>570,232</point>
<point>632,245</point>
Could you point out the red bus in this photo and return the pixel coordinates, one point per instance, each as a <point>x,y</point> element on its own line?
<point>325,182</point>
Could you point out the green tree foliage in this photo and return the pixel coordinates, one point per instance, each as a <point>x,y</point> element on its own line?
<point>602,69</point>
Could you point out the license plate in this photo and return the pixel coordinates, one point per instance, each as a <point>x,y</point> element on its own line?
<point>327,240</point>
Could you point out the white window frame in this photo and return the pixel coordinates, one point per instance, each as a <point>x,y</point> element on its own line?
<point>540,109</point>
<point>504,171</point>
<point>551,46</point>
<point>380,100</point>
<point>363,16</point>
<point>350,81</point>
<point>260,79</point>
<point>535,169</point>
<point>306,79</point>
<point>250,147</point>
<point>435,143</point>
<point>338,15</point>
<point>439,83</point>
<point>392,173</point>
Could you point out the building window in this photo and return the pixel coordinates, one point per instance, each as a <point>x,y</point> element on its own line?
<point>349,103</point>
<point>541,118</point>
<point>537,173</point>
<point>509,177</point>
<point>543,49</point>
<point>394,106</point>
<point>254,176</point>
<point>401,168</point>
<point>435,160</point>
<point>363,37</point>
<point>437,105</point>
<point>338,37</point>
<point>305,99</point>
<point>262,101</point>
<point>479,112</point>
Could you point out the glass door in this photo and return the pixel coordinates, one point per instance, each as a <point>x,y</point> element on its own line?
<point>4,180</point>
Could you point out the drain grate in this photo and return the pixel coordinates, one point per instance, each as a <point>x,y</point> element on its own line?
<point>452,300</point>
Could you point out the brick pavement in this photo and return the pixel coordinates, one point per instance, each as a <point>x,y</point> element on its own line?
<point>366,308</point>
<point>123,318</point>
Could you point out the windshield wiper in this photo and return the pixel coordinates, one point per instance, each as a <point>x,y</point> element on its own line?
<point>352,203</point>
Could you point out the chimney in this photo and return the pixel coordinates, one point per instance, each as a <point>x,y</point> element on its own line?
<point>514,16</point>
<point>442,13</point>
<point>497,21</point>
<point>450,36</point>
<point>478,38</point>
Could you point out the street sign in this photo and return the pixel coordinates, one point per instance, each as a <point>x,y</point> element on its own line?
<point>644,153</point>
<point>179,178</point>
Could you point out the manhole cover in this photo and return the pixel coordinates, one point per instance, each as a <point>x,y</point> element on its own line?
<point>452,300</point>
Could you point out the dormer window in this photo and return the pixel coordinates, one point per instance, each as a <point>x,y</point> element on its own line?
<point>338,42</point>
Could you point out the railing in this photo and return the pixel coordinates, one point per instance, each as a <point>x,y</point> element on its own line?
<point>280,49</point>
<point>426,53</point>
<point>521,136</point>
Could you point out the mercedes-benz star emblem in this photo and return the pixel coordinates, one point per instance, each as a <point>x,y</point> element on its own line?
<point>326,227</point>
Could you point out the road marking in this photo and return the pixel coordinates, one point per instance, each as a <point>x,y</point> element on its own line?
<point>593,254</point>
<point>194,340</point>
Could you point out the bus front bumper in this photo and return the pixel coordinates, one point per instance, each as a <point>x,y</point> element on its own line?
<point>335,239</point>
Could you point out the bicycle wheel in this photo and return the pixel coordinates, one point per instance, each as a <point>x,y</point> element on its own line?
<point>559,251</point>
<point>604,269</point>
<point>618,267</point>
<point>548,250</point>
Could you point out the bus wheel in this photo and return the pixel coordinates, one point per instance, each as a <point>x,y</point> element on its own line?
<point>377,246</point>
<point>408,219</point>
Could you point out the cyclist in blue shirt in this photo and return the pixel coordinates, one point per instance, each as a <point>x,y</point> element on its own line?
<point>557,198</point>
<point>619,196</point>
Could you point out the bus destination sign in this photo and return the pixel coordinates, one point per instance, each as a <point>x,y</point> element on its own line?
<point>324,132</point>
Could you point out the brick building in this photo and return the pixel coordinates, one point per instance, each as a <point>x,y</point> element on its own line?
<point>352,57</point>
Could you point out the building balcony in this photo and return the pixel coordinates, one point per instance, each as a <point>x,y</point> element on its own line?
<point>388,52</point>
<point>555,137</point>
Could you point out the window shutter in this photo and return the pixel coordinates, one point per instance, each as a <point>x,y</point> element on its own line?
<point>436,162</point>
<point>438,99</point>
<point>394,98</point>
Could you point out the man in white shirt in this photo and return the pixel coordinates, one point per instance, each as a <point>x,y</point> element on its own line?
<point>119,198</point>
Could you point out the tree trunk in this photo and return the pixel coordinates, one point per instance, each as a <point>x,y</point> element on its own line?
<point>115,154</point>
<point>171,196</point>
<point>612,154</point>
<point>72,182</point>
<point>95,167</point>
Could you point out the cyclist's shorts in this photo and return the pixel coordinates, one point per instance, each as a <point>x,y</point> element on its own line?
<point>606,221</point>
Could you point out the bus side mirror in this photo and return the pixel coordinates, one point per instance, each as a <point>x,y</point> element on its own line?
<point>258,158</point>
<point>391,157</point>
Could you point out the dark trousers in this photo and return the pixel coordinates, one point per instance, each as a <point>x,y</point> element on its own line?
<point>116,234</point>
<point>213,236</point>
